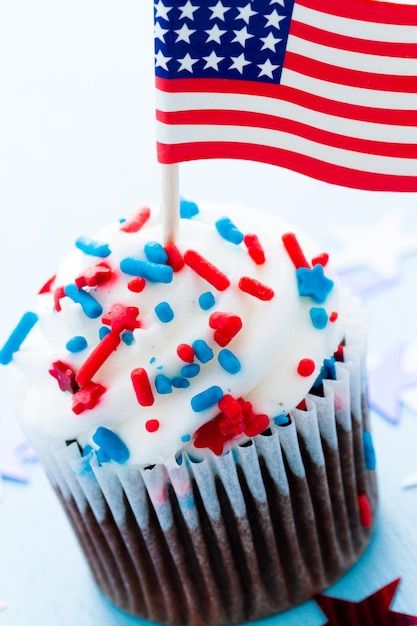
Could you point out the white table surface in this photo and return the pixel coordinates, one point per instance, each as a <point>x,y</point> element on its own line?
<point>77,149</point>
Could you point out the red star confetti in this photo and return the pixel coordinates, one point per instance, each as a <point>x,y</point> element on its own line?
<point>373,610</point>
<point>65,376</point>
<point>122,317</point>
<point>87,397</point>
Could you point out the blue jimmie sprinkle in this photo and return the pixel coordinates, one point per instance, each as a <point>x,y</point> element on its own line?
<point>164,312</point>
<point>188,209</point>
<point>163,384</point>
<point>87,450</point>
<point>111,444</point>
<point>186,438</point>
<point>154,272</point>
<point>89,305</point>
<point>102,456</point>
<point>103,331</point>
<point>76,344</point>
<point>17,337</point>
<point>128,338</point>
<point>93,247</point>
<point>155,252</point>
<point>191,370</point>
<point>206,398</point>
<point>228,230</point>
<point>202,351</point>
<point>229,361</point>
<point>328,370</point>
<point>206,300</point>
<point>318,317</point>
<point>282,420</point>
<point>313,283</point>
<point>180,383</point>
<point>369,451</point>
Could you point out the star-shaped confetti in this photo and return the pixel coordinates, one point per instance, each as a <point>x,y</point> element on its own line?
<point>313,283</point>
<point>65,376</point>
<point>122,317</point>
<point>386,383</point>
<point>374,610</point>
<point>377,247</point>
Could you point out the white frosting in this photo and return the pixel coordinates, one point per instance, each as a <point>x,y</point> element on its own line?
<point>276,335</point>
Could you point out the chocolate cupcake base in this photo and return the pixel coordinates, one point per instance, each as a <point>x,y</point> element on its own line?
<point>233,538</point>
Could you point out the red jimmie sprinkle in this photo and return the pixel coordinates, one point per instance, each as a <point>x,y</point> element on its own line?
<point>225,325</point>
<point>152,426</point>
<point>175,259</point>
<point>255,249</point>
<point>365,512</point>
<point>230,406</point>
<point>93,276</point>
<point>321,259</point>
<point>255,288</point>
<point>333,316</point>
<point>136,284</point>
<point>185,352</point>
<point>294,250</point>
<point>95,360</point>
<point>142,386</point>
<point>136,221</point>
<point>206,270</point>
<point>306,367</point>
<point>46,288</point>
<point>58,294</point>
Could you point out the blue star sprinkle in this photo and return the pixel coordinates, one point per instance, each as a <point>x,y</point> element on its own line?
<point>313,283</point>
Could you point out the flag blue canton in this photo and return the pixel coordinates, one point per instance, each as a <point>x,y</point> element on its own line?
<point>230,39</point>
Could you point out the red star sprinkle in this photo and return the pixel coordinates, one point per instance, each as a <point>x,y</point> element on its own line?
<point>65,376</point>
<point>121,317</point>
<point>93,276</point>
<point>87,397</point>
<point>372,611</point>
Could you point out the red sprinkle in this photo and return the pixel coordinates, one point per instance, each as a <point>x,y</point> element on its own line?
<point>185,352</point>
<point>256,252</point>
<point>65,376</point>
<point>257,425</point>
<point>93,276</point>
<point>47,286</point>
<point>229,406</point>
<point>306,367</point>
<point>152,426</point>
<point>333,316</point>
<point>87,397</point>
<point>225,325</point>
<point>175,259</point>
<point>136,284</point>
<point>206,270</point>
<point>98,356</point>
<point>365,512</point>
<point>142,386</point>
<point>121,317</point>
<point>58,294</point>
<point>294,250</point>
<point>138,219</point>
<point>339,354</point>
<point>255,288</point>
<point>321,259</point>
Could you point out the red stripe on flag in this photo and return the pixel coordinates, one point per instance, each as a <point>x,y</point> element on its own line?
<point>275,123</point>
<point>302,164</point>
<point>352,78</point>
<point>353,44</point>
<point>366,10</point>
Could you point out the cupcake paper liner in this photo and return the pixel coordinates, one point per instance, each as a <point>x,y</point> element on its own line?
<point>231,538</point>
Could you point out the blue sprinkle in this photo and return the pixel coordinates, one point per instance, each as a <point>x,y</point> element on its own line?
<point>164,312</point>
<point>369,451</point>
<point>152,360</point>
<point>191,370</point>
<point>188,209</point>
<point>313,283</point>
<point>87,450</point>
<point>229,361</point>
<point>206,399</point>
<point>228,231</point>
<point>128,338</point>
<point>154,272</point>
<point>185,438</point>
<point>17,337</point>
<point>76,344</point>
<point>102,456</point>
<point>103,331</point>
<point>89,305</point>
<point>328,370</point>
<point>180,383</point>
<point>202,351</point>
<point>206,300</point>
<point>282,420</point>
<point>163,384</point>
<point>155,252</point>
<point>111,444</point>
<point>93,247</point>
<point>318,317</point>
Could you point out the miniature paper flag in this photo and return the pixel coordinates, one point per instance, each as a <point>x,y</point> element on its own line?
<point>324,88</point>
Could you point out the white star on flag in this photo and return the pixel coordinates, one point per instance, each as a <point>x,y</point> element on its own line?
<point>280,2</point>
<point>161,60</point>
<point>274,19</point>
<point>162,10</point>
<point>212,61</point>
<point>267,68</point>
<point>215,34</point>
<point>245,13</point>
<point>239,63</point>
<point>160,32</point>
<point>187,10</point>
<point>186,63</point>
<point>184,33</point>
<point>241,36</point>
<point>218,11</point>
<point>270,42</point>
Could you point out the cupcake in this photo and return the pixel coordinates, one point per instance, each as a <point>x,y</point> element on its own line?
<point>200,410</point>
